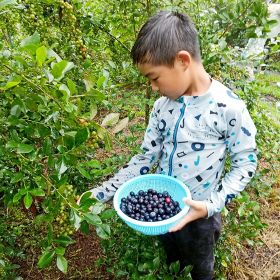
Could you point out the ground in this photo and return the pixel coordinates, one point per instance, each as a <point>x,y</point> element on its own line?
<point>81,257</point>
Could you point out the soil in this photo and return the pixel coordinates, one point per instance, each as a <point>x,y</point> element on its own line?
<point>81,257</point>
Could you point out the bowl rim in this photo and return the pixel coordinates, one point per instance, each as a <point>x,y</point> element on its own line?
<point>166,222</point>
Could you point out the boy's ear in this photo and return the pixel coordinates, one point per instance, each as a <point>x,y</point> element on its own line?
<point>184,58</point>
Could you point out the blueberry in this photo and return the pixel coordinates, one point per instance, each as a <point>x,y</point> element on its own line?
<point>150,191</point>
<point>155,197</point>
<point>132,193</point>
<point>141,193</point>
<point>165,194</point>
<point>123,200</point>
<point>167,210</point>
<point>153,214</point>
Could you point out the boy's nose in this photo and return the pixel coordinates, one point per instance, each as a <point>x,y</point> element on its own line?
<point>154,87</point>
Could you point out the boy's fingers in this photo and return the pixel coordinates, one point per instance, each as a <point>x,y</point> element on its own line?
<point>197,210</point>
<point>197,205</point>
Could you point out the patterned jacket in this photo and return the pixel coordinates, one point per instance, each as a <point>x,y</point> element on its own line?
<point>188,139</point>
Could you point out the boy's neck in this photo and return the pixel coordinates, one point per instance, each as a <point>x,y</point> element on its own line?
<point>200,80</point>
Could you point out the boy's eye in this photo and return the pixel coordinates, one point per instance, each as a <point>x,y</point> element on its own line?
<point>155,79</point>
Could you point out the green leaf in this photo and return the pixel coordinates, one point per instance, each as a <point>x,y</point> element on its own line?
<point>62,263</point>
<point>156,262</point>
<point>97,208</point>
<point>108,214</point>
<point>81,136</point>
<point>84,227</point>
<point>93,219</point>
<point>13,81</point>
<point>61,167</point>
<point>72,86</point>
<point>27,200</point>
<point>89,81</point>
<point>92,112</point>
<point>108,142</point>
<point>101,81</point>
<point>17,197</point>
<point>104,135</point>
<point>64,240</point>
<point>96,95</point>
<point>24,148</point>
<point>41,55</point>
<point>174,267</point>
<point>46,259</point>
<point>103,231</point>
<point>65,90</point>
<point>17,177</point>
<point>37,192</point>
<point>50,231</point>
<point>60,68</point>
<point>60,251</point>
<point>31,43</point>
<point>86,198</point>
<point>224,263</point>
<point>84,172</point>
<point>75,219</point>
<point>93,163</point>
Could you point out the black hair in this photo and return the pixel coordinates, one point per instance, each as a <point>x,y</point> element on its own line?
<point>163,36</point>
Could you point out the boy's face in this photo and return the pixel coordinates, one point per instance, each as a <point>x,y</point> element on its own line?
<point>171,82</point>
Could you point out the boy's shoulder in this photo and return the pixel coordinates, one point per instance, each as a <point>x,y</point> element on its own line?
<point>225,99</point>
<point>221,92</point>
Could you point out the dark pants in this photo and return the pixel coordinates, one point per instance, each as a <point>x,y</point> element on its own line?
<point>194,245</point>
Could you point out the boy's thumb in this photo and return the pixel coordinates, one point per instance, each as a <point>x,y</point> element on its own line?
<point>187,201</point>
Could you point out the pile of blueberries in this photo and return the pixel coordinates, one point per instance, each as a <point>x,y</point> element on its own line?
<point>149,206</point>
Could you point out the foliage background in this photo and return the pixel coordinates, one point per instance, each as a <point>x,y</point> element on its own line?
<point>70,95</point>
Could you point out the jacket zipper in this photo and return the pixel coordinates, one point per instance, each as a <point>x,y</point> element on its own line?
<point>175,138</point>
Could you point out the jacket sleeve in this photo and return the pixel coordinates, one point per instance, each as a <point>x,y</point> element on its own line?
<point>139,164</point>
<point>240,140</point>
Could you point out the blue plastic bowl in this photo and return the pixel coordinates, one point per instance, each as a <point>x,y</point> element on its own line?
<point>160,183</point>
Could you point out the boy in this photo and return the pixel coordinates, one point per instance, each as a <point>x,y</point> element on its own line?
<point>191,127</point>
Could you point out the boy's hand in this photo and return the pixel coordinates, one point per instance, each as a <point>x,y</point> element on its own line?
<point>197,210</point>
